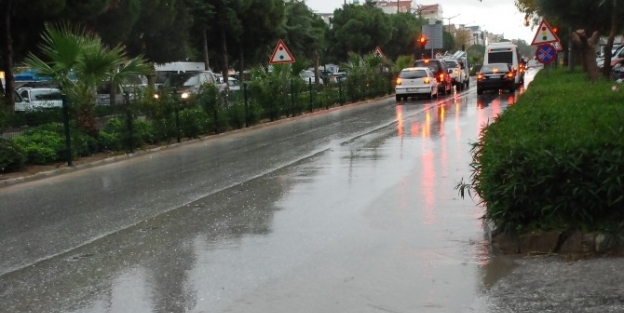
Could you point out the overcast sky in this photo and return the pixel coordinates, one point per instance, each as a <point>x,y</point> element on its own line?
<point>495,16</point>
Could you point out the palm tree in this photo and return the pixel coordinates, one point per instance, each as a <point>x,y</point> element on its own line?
<point>79,62</point>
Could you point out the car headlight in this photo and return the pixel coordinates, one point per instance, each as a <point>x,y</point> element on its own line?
<point>184,95</point>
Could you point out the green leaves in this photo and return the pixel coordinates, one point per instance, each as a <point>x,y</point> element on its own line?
<point>554,159</point>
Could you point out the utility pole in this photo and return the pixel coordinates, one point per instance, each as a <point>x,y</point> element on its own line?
<point>449,21</point>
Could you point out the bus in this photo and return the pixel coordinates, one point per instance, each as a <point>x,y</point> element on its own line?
<point>503,52</point>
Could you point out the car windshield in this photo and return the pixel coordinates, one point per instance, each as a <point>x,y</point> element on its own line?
<point>433,65</point>
<point>184,80</point>
<point>411,74</point>
<point>451,63</point>
<point>45,94</point>
<point>495,67</point>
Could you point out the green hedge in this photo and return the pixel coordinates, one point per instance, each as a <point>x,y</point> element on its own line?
<point>555,159</point>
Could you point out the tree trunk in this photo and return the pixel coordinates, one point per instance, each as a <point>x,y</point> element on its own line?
<point>241,75</point>
<point>606,68</point>
<point>9,94</point>
<point>316,68</point>
<point>225,58</point>
<point>206,56</point>
<point>588,52</point>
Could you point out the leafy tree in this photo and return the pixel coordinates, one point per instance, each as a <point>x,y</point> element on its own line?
<point>359,28</point>
<point>202,12</point>
<point>304,33</point>
<point>405,30</point>
<point>117,22</point>
<point>261,22</point>
<point>161,33</point>
<point>72,51</point>
<point>22,23</point>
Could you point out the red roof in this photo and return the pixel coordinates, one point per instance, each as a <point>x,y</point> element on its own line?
<point>428,7</point>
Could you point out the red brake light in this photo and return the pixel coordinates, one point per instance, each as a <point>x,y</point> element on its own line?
<point>442,76</point>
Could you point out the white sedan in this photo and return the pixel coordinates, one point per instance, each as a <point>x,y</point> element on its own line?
<point>416,81</point>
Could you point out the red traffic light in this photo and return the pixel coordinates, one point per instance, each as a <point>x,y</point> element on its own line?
<point>422,40</point>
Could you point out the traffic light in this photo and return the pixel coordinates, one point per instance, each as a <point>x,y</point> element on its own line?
<point>422,41</point>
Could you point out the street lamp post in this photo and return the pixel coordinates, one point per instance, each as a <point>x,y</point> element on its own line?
<point>449,21</point>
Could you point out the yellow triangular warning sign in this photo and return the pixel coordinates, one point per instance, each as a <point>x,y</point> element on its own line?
<point>544,34</point>
<point>378,53</point>
<point>281,54</point>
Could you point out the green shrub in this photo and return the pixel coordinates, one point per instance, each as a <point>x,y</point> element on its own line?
<point>116,134</point>
<point>555,159</point>
<point>12,157</point>
<point>194,122</point>
<point>41,145</point>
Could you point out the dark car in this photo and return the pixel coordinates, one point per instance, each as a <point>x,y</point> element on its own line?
<point>496,76</point>
<point>440,70</point>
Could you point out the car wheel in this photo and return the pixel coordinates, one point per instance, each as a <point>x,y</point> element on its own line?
<point>398,98</point>
<point>479,91</point>
<point>512,89</point>
<point>467,83</point>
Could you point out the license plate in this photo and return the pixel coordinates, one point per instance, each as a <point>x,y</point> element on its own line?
<point>412,89</point>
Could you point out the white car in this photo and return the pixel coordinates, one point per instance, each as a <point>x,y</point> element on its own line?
<point>232,82</point>
<point>308,75</point>
<point>36,98</point>
<point>416,81</point>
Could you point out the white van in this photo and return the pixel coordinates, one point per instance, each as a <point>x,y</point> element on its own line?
<point>36,98</point>
<point>503,52</point>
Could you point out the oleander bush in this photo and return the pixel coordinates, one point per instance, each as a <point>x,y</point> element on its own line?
<point>555,159</point>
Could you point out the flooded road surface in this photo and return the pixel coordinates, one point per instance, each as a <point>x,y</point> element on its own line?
<point>352,210</point>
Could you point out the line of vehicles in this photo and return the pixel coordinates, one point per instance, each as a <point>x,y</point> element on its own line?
<point>502,68</point>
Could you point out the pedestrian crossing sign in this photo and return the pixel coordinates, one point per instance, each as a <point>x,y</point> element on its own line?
<point>544,34</point>
<point>281,54</point>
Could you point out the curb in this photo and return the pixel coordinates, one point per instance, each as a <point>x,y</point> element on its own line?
<point>63,169</point>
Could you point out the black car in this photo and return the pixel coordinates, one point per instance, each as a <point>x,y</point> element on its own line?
<point>440,70</point>
<point>496,76</point>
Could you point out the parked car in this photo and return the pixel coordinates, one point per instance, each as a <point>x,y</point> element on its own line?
<point>37,98</point>
<point>440,70</point>
<point>307,75</point>
<point>232,82</point>
<point>416,81</point>
<point>496,76</point>
<point>189,83</point>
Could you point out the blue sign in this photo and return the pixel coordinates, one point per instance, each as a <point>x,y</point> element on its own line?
<point>546,53</point>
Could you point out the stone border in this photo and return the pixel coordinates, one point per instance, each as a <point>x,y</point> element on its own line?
<point>553,241</point>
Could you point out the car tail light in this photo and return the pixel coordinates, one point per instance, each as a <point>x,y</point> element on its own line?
<point>399,81</point>
<point>479,76</point>
<point>427,80</point>
<point>510,74</point>
<point>442,76</point>
<point>456,72</point>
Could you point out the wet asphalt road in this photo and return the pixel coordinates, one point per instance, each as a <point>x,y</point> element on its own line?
<point>352,210</point>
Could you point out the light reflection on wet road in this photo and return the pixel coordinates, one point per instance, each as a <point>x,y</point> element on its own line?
<point>369,222</point>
